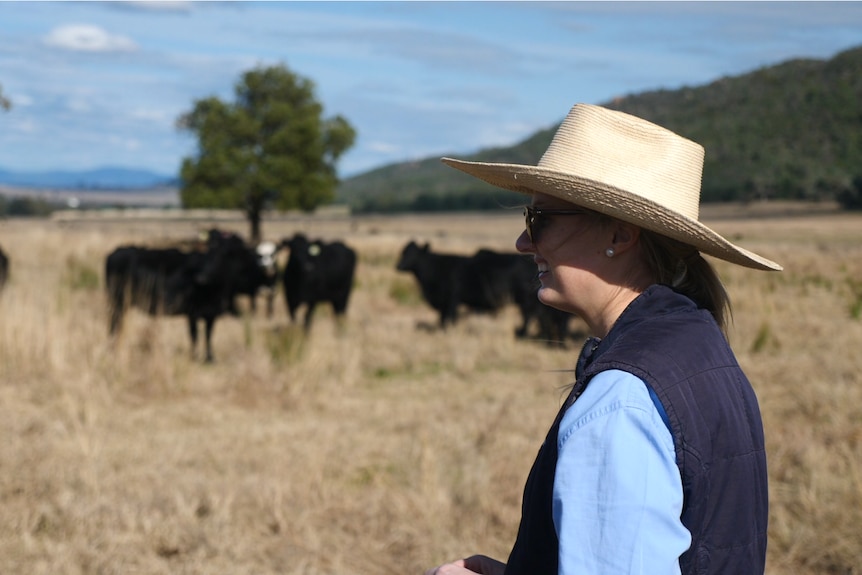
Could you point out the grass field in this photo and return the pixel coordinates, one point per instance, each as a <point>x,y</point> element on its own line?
<point>380,446</point>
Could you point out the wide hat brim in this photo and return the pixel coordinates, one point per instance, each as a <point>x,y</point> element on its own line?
<point>624,167</point>
<point>614,202</point>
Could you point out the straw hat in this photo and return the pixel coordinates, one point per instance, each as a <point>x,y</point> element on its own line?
<point>626,168</point>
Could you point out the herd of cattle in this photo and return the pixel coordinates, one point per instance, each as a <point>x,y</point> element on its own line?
<point>203,283</point>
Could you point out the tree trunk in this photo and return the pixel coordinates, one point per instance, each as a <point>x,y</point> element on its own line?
<point>254,219</point>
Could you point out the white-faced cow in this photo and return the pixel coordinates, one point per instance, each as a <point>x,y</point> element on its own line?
<point>316,272</point>
<point>267,259</point>
<point>254,271</point>
<point>199,284</point>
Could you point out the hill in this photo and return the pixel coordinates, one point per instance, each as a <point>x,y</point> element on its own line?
<point>112,178</point>
<point>789,131</point>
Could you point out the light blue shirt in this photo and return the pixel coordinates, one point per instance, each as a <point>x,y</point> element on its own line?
<point>617,489</point>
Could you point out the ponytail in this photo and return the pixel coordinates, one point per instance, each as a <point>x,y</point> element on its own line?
<point>683,268</point>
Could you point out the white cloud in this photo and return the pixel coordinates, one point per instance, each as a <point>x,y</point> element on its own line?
<point>21,126</point>
<point>154,116</point>
<point>19,100</point>
<point>88,38</point>
<point>129,144</point>
<point>382,147</point>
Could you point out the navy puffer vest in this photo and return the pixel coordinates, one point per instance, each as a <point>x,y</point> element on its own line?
<point>679,351</point>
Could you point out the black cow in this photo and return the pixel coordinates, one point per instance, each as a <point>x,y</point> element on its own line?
<point>199,284</point>
<point>553,324</point>
<point>247,270</point>
<point>517,272</point>
<point>317,272</point>
<point>484,282</point>
<point>4,269</point>
<point>440,277</point>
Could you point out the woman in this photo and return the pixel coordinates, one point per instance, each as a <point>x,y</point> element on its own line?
<point>656,461</point>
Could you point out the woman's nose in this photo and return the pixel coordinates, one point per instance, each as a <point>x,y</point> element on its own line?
<point>524,244</point>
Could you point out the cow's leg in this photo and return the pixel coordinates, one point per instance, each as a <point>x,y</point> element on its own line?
<point>449,313</point>
<point>193,333</point>
<point>309,313</point>
<point>521,332</point>
<point>291,308</point>
<point>339,308</point>
<point>339,303</point>
<point>116,317</point>
<point>561,325</point>
<point>445,315</point>
<point>232,309</point>
<point>448,319</point>
<point>209,323</point>
<point>116,305</point>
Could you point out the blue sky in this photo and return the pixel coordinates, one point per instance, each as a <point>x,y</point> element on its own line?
<point>96,84</point>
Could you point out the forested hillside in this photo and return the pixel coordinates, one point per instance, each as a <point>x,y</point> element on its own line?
<point>790,131</point>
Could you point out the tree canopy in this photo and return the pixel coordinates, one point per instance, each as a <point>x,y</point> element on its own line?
<point>270,148</point>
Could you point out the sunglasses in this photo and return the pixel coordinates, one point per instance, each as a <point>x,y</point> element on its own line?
<point>537,219</point>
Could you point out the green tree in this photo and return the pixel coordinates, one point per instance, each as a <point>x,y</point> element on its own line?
<point>271,147</point>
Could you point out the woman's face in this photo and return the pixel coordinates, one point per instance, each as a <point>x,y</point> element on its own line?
<point>569,251</point>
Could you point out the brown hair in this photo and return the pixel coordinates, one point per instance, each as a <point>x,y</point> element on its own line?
<point>683,268</point>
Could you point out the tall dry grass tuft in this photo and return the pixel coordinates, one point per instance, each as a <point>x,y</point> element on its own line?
<point>377,445</point>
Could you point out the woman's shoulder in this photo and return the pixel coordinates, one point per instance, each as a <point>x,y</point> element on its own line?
<point>616,386</point>
<point>613,396</point>
<point>607,392</point>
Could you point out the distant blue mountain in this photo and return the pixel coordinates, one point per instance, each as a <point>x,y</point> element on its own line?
<point>107,178</point>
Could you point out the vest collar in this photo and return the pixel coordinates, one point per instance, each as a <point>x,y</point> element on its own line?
<point>655,301</point>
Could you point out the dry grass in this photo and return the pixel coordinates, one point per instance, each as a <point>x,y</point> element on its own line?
<point>375,447</point>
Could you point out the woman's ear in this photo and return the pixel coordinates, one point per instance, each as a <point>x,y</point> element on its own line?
<point>625,236</point>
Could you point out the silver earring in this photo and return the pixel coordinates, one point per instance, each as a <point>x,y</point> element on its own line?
<point>609,252</point>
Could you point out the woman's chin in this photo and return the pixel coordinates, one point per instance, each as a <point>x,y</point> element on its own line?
<point>548,296</point>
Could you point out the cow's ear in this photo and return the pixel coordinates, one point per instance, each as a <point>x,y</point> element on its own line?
<point>426,247</point>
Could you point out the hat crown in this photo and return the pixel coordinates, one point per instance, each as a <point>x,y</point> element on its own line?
<point>616,149</point>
